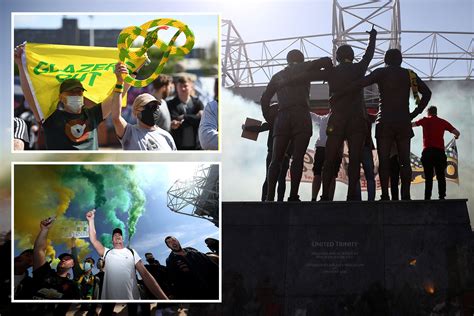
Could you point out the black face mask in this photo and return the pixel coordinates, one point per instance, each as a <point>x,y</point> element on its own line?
<point>147,116</point>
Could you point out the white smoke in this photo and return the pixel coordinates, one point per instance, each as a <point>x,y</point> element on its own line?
<point>455,103</point>
<point>243,160</point>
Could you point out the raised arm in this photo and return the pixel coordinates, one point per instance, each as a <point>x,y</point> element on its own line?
<point>39,250</point>
<point>369,51</point>
<point>150,282</point>
<point>92,234</point>
<point>25,87</point>
<point>119,122</point>
<point>76,270</point>
<point>107,105</point>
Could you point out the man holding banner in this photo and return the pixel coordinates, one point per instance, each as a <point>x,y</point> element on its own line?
<point>55,91</point>
<point>433,155</point>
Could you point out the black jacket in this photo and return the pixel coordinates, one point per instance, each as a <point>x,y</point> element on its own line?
<point>186,136</point>
<point>292,95</point>
<point>395,88</point>
<point>194,276</point>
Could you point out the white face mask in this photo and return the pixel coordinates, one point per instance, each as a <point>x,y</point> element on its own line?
<point>87,266</point>
<point>74,103</point>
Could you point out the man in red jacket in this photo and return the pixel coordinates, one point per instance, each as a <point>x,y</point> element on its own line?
<point>433,155</point>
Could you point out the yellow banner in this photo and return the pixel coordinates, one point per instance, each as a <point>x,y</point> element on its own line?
<point>48,65</point>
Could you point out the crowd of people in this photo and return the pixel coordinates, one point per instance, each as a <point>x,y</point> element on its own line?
<point>348,121</point>
<point>165,120</point>
<point>188,274</point>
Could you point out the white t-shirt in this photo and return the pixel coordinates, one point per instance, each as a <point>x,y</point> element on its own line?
<point>120,281</point>
<point>322,122</point>
<point>137,138</point>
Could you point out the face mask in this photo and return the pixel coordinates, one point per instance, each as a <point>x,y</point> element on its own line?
<point>75,103</point>
<point>87,266</point>
<point>147,116</point>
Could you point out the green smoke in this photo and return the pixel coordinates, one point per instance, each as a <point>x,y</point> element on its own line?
<point>125,196</point>
<point>111,189</point>
<point>97,180</point>
<point>106,240</point>
<point>73,174</point>
<point>136,209</point>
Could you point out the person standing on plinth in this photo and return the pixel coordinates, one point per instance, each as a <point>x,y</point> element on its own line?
<point>433,155</point>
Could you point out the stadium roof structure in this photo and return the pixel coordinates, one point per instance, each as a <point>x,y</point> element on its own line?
<point>434,55</point>
<point>197,196</point>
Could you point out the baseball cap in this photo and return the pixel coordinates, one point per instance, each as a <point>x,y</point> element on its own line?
<point>61,256</point>
<point>142,100</point>
<point>117,230</point>
<point>70,84</point>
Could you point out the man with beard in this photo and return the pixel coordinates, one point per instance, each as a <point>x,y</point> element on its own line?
<point>193,275</point>
<point>121,264</point>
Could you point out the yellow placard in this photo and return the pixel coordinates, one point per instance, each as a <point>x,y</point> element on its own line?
<point>48,65</point>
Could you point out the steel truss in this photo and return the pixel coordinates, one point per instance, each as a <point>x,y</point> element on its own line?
<point>433,55</point>
<point>198,196</point>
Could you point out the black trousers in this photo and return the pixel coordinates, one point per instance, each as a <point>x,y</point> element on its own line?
<point>386,135</point>
<point>281,177</point>
<point>394,177</point>
<point>384,145</point>
<point>334,143</point>
<point>434,159</point>
<point>280,145</point>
